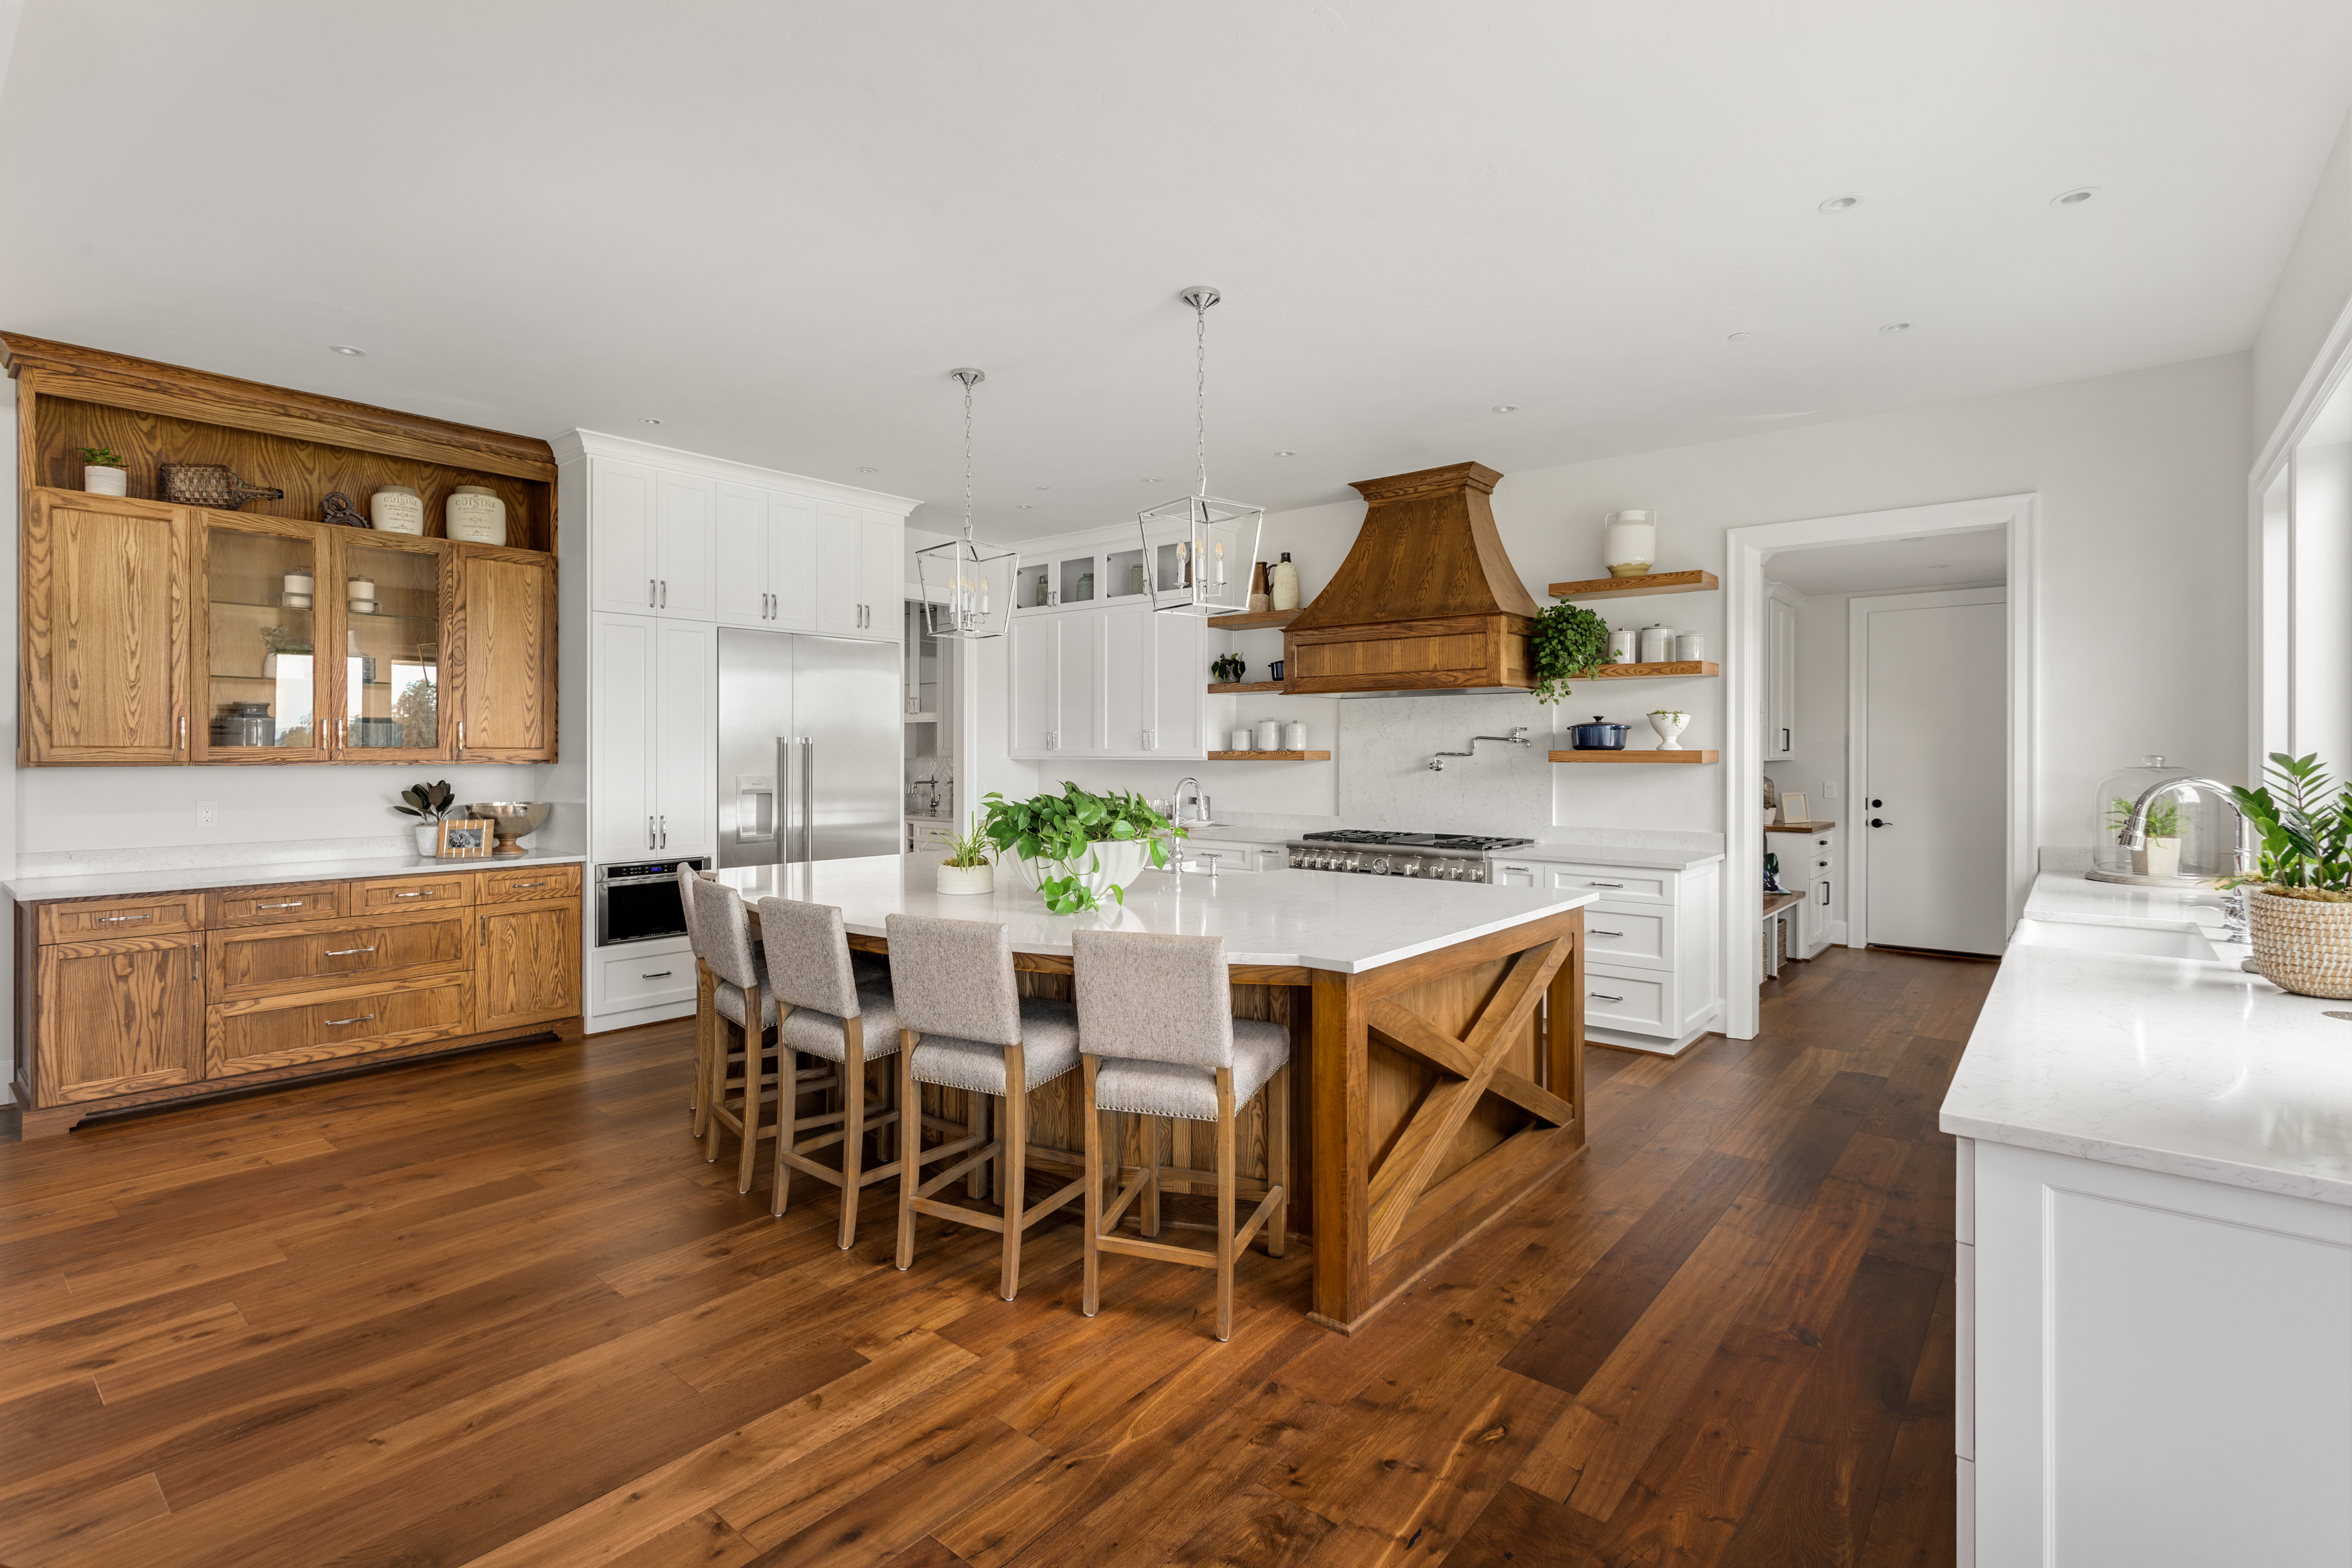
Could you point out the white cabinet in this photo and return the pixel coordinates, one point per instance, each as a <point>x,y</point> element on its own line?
<point>1083,720</point>
<point>1779,678</point>
<point>1035,712</point>
<point>1225,855</point>
<point>650,540</point>
<point>1122,683</point>
<point>1653,967</point>
<point>766,554</point>
<point>682,522</point>
<point>859,580</point>
<point>1179,689</point>
<point>884,579</point>
<point>1809,862</point>
<point>650,687</point>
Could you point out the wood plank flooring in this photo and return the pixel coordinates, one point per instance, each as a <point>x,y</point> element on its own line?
<point>498,1311</point>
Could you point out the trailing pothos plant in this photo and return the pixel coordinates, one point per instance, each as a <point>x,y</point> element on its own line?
<point>1062,829</point>
<point>1566,640</point>
<point>2304,820</point>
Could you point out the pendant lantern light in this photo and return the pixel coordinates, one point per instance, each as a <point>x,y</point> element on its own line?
<point>1200,548</point>
<point>966,587</point>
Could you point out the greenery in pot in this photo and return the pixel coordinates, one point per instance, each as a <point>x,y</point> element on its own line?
<point>1566,640</point>
<point>2305,827</point>
<point>1229,668</point>
<point>284,640</point>
<point>1062,828</point>
<point>426,803</point>
<point>2163,816</point>
<point>969,850</point>
<point>101,457</point>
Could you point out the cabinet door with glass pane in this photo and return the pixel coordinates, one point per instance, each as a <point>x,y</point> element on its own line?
<point>388,618</point>
<point>259,696</point>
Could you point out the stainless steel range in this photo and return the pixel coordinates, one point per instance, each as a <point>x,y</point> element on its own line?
<point>1433,857</point>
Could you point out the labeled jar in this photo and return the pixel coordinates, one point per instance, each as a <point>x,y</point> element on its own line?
<point>474,514</point>
<point>397,509</point>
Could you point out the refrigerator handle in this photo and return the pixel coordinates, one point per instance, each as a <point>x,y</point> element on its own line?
<point>808,797</point>
<point>787,823</point>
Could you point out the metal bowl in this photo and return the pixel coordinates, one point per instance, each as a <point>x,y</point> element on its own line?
<point>515,820</point>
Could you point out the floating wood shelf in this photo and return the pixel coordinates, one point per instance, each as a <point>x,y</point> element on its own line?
<point>1226,688</point>
<point>1650,672</point>
<point>1269,757</point>
<point>1684,756</point>
<point>1630,587</point>
<point>1254,620</point>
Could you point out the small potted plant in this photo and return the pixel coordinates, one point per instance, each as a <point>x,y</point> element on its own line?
<point>280,640</point>
<point>2299,895</point>
<point>1229,668</point>
<point>429,803</point>
<point>1566,640</point>
<point>967,868</point>
<point>1669,722</point>
<point>102,472</point>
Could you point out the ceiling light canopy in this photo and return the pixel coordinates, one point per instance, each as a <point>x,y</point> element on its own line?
<point>1505,408</point>
<point>966,587</point>
<point>347,349</point>
<point>2075,197</point>
<point>1200,547</point>
<point>1894,327</point>
<point>650,420</point>
<point>1841,204</point>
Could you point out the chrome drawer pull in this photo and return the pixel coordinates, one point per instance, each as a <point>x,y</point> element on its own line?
<point>1597,932</point>
<point>658,975</point>
<point>427,894</point>
<point>1600,883</point>
<point>346,952</point>
<point>364,1018</point>
<point>119,919</point>
<point>541,883</point>
<point>1601,996</point>
<point>292,903</point>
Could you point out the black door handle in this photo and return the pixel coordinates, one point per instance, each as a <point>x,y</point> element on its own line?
<point>1876,822</point>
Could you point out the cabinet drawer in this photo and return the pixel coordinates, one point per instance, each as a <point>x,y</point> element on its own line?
<point>122,916</point>
<point>1627,1001</point>
<point>634,977</point>
<point>1640,934</point>
<point>269,961</point>
<point>1620,883</point>
<point>386,894</point>
<point>322,1025</point>
<point>274,905</point>
<point>527,884</point>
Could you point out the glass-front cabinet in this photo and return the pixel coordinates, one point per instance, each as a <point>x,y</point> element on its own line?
<point>1061,580</point>
<point>389,593</point>
<point>255,621</point>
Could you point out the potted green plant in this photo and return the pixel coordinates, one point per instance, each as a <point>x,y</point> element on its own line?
<point>1229,668</point>
<point>277,640</point>
<point>2161,857</point>
<point>2299,894</point>
<point>429,803</point>
<point>103,471</point>
<point>1566,640</point>
<point>967,868</point>
<point>1076,848</point>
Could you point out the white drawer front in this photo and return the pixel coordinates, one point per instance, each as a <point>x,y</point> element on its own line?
<point>642,976</point>
<point>1628,1000</point>
<point>1640,934</point>
<point>1613,883</point>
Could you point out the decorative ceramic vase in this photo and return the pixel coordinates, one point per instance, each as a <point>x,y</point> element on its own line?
<point>1629,545</point>
<point>397,510</point>
<point>1670,726</point>
<point>1690,648</point>
<point>2300,944</point>
<point>1239,740</point>
<point>1294,737</point>
<point>1261,593</point>
<point>104,480</point>
<point>1284,580</point>
<point>1110,863</point>
<point>961,879</point>
<point>1658,644</point>
<point>2161,858</point>
<point>428,839</point>
<point>474,514</point>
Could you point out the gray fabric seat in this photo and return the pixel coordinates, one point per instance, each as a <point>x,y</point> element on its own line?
<point>820,1033</point>
<point>1187,1089</point>
<point>727,1000</point>
<point>1049,1041</point>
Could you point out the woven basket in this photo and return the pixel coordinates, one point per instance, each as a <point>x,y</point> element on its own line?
<point>2302,945</point>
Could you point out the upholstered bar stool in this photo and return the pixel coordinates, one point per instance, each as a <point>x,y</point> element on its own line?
<point>1155,1014</point>
<point>829,1015</point>
<point>964,1025</point>
<point>739,997</point>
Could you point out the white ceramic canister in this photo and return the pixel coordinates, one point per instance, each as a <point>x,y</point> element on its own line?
<point>1294,736</point>
<point>297,586</point>
<point>1690,648</point>
<point>476,515</point>
<point>1269,735</point>
<point>1658,644</point>
<point>1284,581</point>
<point>397,509</point>
<point>104,479</point>
<point>1629,545</point>
<point>359,590</point>
<point>1621,645</point>
<point>1239,740</point>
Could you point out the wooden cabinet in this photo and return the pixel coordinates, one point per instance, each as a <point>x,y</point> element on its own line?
<point>115,1016</point>
<point>122,916</point>
<point>105,638</point>
<point>505,637</point>
<point>385,693</point>
<point>527,884</point>
<point>307,1027</point>
<point>653,791</point>
<point>263,961</point>
<point>273,905</point>
<point>527,964</point>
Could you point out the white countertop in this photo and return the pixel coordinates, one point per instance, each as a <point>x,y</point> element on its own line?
<point>2191,1069</point>
<point>1309,919</point>
<point>131,884</point>
<point>1655,858</point>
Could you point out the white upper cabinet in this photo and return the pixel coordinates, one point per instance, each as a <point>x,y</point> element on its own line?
<point>1083,716</point>
<point>621,522</point>
<point>684,504</point>
<point>884,577</point>
<point>1779,679</point>
<point>1110,681</point>
<point>741,596</point>
<point>859,580</point>
<point>1180,685</point>
<point>792,547</point>
<point>1033,714</point>
<point>1127,676</point>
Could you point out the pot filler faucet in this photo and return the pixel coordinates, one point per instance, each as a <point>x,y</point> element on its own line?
<point>1518,737</point>
<point>2238,928</point>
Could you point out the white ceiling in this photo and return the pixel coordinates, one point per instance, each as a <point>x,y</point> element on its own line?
<point>777,226</point>
<point>1974,559</point>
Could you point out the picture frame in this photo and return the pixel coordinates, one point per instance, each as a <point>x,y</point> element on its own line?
<point>1793,808</point>
<point>463,838</point>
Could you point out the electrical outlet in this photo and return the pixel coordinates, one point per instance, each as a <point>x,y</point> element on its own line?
<point>208,813</point>
<point>1829,789</point>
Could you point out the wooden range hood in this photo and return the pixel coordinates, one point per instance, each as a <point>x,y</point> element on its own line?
<point>1426,600</point>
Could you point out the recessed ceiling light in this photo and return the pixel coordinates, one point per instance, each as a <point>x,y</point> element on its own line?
<point>1286,452</point>
<point>1894,327</point>
<point>869,470</point>
<point>1045,487</point>
<point>1506,408</point>
<point>1739,336</point>
<point>1841,204</point>
<point>2075,197</point>
<point>1024,505</point>
<point>1153,481</point>
<point>347,349</point>
<point>649,421</point>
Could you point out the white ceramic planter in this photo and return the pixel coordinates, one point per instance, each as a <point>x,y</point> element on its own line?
<point>397,510</point>
<point>1111,864</point>
<point>1670,726</point>
<point>967,878</point>
<point>2161,858</point>
<point>428,839</point>
<point>98,481</point>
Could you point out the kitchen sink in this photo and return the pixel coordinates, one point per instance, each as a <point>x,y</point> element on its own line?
<point>2147,941</point>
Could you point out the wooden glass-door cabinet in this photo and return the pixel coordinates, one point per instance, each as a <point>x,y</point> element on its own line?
<point>390,597</point>
<point>105,636</point>
<point>260,677</point>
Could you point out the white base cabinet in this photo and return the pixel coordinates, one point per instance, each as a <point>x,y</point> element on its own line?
<point>2155,1370</point>
<point>1809,864</point>
<point>1653,965</point>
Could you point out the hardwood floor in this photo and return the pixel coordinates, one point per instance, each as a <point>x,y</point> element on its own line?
<point>498,1311</point>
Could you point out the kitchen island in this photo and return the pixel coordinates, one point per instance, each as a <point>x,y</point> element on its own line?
<point>1436,1036</point>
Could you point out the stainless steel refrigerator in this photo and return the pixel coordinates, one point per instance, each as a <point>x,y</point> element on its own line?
<point>809,735</point>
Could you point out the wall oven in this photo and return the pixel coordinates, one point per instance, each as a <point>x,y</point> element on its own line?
<point>637,901</point>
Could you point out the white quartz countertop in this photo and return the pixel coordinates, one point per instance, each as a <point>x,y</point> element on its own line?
<point>269,874</point>
<point>2193,1069</point>
<point>1309,919</point>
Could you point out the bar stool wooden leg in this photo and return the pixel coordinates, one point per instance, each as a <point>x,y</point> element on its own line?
<point>1277,1159</point>
<point>977,1110</point>
<point>1224,1203</point>
<point>1151,1175</point>
<point>755,1087</point>
<point>910,1149</point>
<point>714,1094</point>
<point>1092,1297</point>
<point>853,1128</point>
<point>700,1101</point>
<point>1012,1173</point>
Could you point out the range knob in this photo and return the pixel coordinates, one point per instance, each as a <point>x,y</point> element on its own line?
<point>1379,865</point>
<point>1477,873</point>
<point>1409,868</point>
<point>1453,871</point>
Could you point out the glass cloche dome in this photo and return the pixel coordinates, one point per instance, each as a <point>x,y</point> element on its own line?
<point>2191,832</point>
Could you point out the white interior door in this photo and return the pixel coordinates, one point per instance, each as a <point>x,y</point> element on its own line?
<point>1933,817</point>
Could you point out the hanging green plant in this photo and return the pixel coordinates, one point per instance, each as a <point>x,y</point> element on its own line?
<point>1566,640</point>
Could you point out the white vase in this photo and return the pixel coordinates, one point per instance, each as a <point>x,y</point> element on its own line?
<point>428,839</point>
<point>1670,726</point>
<point>1629,544</point>
<point>960,879</point>
<point>1284,581</point>
<point>104,481</point>
<point>474,514</point>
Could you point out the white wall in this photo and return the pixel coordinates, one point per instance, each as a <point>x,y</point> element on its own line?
<point>2313,294</point>
<point>2142,481</point>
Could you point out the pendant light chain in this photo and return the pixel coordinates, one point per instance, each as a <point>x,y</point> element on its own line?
<point>1201,395</point>
<point>967,461</point>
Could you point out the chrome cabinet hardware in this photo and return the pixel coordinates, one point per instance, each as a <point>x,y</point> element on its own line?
<point>461,739</point>
<point>123,919</point>
<point>184,732</point>
<point>541,883</point>
<point>1603,996</point>
<point>289,903</point>
<point>345,952</point>
<point>364,1018</point>
<point>658,974</point>
<point>663,830</point>
<point>421,892</point>
<point>1597,932</point>
<point>649,593</point>
<point>1590,884</point>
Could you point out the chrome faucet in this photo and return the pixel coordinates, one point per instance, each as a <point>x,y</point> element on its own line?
<point>1518,737</point>
<point>1200,800</point>
<point>2236,924</point>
